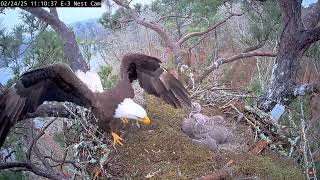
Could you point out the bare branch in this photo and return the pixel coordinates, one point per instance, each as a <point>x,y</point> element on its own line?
<point>54,12</point>
<point>290,11</point>
<point>2,88</point>
<point>40,134</point>
<point>222,61</point>
<point>51,109</point>
<point>158,28</point>
<point>43,160</point>
<point>194,34</point>
<point>258,46</point>
<point>312,17</point>
<point>27,166</point>
<point>121,3</point>
<point>10,165</point>
<point>199,41</point>
<point>71,49</point>
<point>309,37</point>
<point>304,89</point>
<point>61,162</point>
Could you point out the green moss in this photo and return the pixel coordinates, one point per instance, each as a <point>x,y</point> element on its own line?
<point>266,167</point>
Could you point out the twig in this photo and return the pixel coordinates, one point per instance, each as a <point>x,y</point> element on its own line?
<point>293,143</point>
<point>240,113</point>
<point>233,58</point>
<point>89,132</point>
<point>239,95</point>
<point>263,116</point>
<point>40,134</point>
<point>27,166</point>
<point>304,140</point>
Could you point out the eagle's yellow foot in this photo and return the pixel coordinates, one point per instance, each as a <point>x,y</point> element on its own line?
<point>116,139</point>
<point>124,120</point>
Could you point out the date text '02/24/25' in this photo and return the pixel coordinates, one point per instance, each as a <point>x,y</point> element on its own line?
<point>50,3</point>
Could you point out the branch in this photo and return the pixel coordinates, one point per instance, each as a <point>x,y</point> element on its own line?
<point>51,109</point>
<point>40,134</point>
<point>290,11</point>
<point>61,162</point>
<point>27,166</point>
<point>199,41</point>
<point>308,37</point>
<point>312,17</point>
<point>54,12</point>
<point>70,47</point>
<point>194,34</point>
<point>222,61</point>
<point>121,3</point>
<point>46,16</point>
<point>258,46</point>
<point>305,89</point>
<point>2,89</point>
<point>158,28</point>
<point>9,165</point>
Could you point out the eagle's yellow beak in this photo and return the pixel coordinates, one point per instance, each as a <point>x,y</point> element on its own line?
<point>145,120</point>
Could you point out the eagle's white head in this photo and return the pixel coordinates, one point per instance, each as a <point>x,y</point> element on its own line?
<point>131,110</point>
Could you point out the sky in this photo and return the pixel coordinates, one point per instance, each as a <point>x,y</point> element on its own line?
<point>67,15</point>
<point>70,15</point>
<point>306,3</point>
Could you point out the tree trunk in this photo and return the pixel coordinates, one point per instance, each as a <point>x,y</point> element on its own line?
<point>288,59</point>
<point>282,83</point>
<point>71,50</point>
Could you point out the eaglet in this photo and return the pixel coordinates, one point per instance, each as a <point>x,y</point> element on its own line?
<point>209,131</point>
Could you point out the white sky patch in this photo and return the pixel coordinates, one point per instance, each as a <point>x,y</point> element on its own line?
<point>67,15</point>
<point>306,3</point>
<point>129,109</point>
<point>91,79</point>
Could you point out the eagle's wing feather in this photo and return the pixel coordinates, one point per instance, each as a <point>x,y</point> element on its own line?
<point>154,79</point>
<point>50,83</point>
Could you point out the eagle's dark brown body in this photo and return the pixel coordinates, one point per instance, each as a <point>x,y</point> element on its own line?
<point>109,100</point>
<point>59,83</point>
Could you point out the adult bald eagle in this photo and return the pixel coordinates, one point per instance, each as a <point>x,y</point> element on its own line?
<point>59,83</point>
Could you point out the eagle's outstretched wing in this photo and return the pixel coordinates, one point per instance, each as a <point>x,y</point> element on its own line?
<point>50,83</point>
<point>154,79</point>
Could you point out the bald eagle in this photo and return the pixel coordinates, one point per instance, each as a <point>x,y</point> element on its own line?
<point>59,83</point>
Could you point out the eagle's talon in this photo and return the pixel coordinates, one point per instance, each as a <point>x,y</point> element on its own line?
<point>116,139</point>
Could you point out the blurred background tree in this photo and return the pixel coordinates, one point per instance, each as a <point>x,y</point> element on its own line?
<point>108,79</point>
<point>28,45</point>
